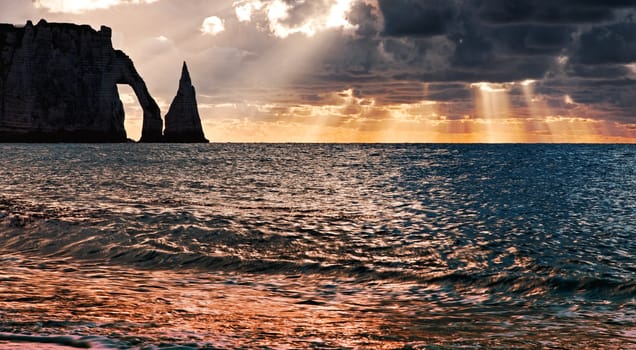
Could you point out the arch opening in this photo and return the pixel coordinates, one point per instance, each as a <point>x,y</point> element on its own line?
<point>133,112</point>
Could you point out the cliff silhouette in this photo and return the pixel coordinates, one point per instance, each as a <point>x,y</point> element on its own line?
<point>58,83</point>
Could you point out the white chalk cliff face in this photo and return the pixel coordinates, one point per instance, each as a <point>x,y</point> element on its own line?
<point>183,123</point>
<point>58,83</point>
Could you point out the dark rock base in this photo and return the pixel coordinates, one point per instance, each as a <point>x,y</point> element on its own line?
<point>62,136</point>
<point>194,137</point>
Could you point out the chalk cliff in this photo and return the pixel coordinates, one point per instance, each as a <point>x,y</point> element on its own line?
<point>183,123</point>
<point>58,83</point>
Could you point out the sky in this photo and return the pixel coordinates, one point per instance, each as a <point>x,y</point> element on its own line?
<point>378,70</point>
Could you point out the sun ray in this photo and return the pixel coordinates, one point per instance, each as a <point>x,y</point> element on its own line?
<point>537,130</point>
<point>493,106</point>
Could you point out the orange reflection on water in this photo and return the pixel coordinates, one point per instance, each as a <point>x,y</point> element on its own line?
<point>175,307</point>
<point>142,307</point>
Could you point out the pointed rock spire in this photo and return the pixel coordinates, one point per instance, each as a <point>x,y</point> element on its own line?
<point>183,123</point>
<point>185,75</point>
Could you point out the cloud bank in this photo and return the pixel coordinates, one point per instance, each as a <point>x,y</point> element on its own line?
<point>413,70</point>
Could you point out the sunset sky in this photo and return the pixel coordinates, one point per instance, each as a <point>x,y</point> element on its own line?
<point>378,70</point>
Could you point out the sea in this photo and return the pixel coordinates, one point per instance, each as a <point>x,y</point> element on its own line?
<point>317,246</point>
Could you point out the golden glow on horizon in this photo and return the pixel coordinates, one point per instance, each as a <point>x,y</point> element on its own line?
<point>344,117</point>
<point>347,118</point>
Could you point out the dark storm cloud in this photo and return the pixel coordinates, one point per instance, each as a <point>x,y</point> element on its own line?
<point>533,39</point>
<point>448,41</point>
<point>409,52</point>
<point>352,56</point>
<point>598,71</point>
<point>615,43</point>
<point>400,45</point>
<point>549,11</point>
<point>616,99</point>
<point>474,51</point>
<point>299,11</point>
<point>366,18</point>
<point>417,18</point>
<point>572,41</point>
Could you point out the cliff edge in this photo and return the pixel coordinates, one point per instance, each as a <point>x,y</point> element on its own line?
<point>58,83</point>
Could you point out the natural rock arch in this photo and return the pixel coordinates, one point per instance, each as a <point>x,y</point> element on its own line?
<point>126,74</point>
<point>58,82</point>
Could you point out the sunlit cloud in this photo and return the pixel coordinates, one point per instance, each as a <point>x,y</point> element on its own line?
<point>212,25</point>
<point>492,87</point>
<point>244,9</point>
<point>78,6</point>
<point>338,15</point>
<point>277,13</point>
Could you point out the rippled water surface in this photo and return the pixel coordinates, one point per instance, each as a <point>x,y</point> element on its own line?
<point>319,246</point>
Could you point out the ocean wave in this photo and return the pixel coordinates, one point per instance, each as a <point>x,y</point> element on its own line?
<point>172,240</point>
<point>522,246</point>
